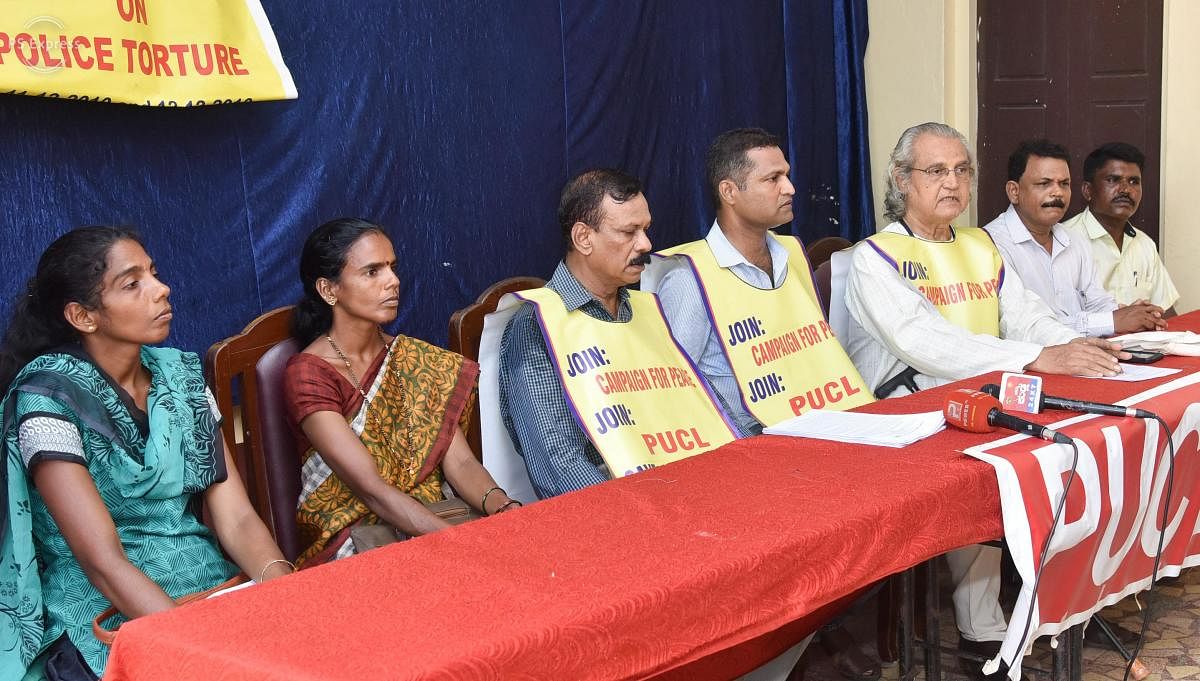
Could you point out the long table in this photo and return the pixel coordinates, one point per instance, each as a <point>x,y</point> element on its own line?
<point>700,569</point>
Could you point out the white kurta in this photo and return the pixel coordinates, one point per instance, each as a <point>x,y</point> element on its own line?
<point>893,325</point>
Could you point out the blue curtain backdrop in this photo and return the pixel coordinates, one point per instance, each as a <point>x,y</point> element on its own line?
<point>454,125</point>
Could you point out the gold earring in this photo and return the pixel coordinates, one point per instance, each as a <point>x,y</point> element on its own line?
<point>331,300</point>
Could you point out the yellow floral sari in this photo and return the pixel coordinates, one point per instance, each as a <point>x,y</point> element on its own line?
<point>419,396</point>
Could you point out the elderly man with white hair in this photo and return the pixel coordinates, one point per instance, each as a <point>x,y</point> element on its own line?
<point>930,303</point>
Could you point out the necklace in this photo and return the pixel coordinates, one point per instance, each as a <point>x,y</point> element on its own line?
<point>406,412</point>
<point>350,369</point>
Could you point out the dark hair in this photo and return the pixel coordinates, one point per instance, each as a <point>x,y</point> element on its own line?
<point>1044,148</point>
<point>71,270</point>
<point>324,256</point>
<point>1107,152</point>
<point>581,199</point>
<point>726,158</point>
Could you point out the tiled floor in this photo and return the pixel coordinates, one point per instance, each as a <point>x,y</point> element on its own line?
<point>1171,649</point>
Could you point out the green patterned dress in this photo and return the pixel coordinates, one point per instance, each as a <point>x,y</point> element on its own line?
<point>146,466</point>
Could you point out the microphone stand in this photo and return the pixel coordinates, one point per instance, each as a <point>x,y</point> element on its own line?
<point>1139,671</point>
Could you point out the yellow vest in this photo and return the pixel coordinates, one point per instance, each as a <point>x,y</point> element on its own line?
<point>960,277</point>
<point>630,387</point>
<point>782,350</point>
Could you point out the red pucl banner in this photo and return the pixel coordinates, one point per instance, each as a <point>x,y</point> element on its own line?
<point>1104,546</point>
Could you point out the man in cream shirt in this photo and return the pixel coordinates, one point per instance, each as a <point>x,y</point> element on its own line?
<point>1127,261</point>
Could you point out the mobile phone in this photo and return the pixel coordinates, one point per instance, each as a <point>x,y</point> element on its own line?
<point>1143,357</point>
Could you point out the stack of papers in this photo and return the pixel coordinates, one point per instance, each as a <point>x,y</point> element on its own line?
<point>884,430</point>
<point>1166,342</point>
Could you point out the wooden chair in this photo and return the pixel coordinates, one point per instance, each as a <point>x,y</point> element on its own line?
<point>822,276</point>
<point>264,451</point>
<point>820,250</point>
<point>466,327</point>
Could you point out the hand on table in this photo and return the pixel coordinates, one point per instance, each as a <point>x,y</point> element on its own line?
<point>1080,357</point>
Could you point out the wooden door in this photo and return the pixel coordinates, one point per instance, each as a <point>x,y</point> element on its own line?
<point>1079,72</point>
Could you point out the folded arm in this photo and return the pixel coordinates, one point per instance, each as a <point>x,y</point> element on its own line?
<point>348,458</point>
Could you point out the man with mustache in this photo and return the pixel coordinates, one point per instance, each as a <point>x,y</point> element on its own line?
<point>741,301</point>
<point>590,383</point>
<point>743,306</point>
<point>1127,261</point>
<point>1052,264</point>
<point>935,302</point>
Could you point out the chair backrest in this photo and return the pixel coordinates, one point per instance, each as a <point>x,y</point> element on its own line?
<point>279,464</point>
<point>466,327</point>
<point>838,314</point>
<point>820,250</point>
<point>230,366</point>
<point>821,277</point>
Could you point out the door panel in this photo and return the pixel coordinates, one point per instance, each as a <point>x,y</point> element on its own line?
<point>1079,72</point>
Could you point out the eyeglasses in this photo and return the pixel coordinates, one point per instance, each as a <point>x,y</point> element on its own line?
<point>940,173</point>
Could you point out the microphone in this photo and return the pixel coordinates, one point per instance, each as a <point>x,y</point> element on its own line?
<point>979,412</point>
<point>1051,402</point>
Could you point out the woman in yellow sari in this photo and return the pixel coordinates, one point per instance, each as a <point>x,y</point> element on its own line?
<point>379,419</point>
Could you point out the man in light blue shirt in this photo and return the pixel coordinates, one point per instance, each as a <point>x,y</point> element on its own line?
<point>748,181</point>
<point>683,306</point>
<point>1058,268</point>
<point>747,178</point>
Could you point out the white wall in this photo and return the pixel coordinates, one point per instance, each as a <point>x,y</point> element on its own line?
<point>920,67</point>
<point>1180,230</point>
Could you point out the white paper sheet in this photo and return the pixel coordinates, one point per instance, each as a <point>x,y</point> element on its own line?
<point>1137,372</point>
<point>236,587</point>
<point>884,430</point>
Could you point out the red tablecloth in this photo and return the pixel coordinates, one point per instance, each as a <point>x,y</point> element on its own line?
<point>641,576</point>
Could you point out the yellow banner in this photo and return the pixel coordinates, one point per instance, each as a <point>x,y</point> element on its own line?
<point>630,387</point>
<point>783,352</point>
<point>960,277</point>
<point>145,52</point>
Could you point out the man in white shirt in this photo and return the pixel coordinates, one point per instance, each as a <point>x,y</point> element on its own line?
<point>925,295</point>
<point>1127,261</point>
<point>1052,264</point>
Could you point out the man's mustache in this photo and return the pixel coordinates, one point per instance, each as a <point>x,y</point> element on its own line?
<point>1124,198</point>
<point>1054,203</point>
<point>643,259</point>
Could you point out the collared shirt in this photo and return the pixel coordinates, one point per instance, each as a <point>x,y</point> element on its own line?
<point>558,454</point>
<point>1065,278</point>
<point>1130,273</point>
<point>893,325</point>
<point>684,308</point>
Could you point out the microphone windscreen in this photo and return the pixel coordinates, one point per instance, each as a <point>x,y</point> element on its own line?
<point>969,409</point>
<point>991,389</point>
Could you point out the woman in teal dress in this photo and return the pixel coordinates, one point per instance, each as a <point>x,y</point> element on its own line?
<point>107,444</point>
